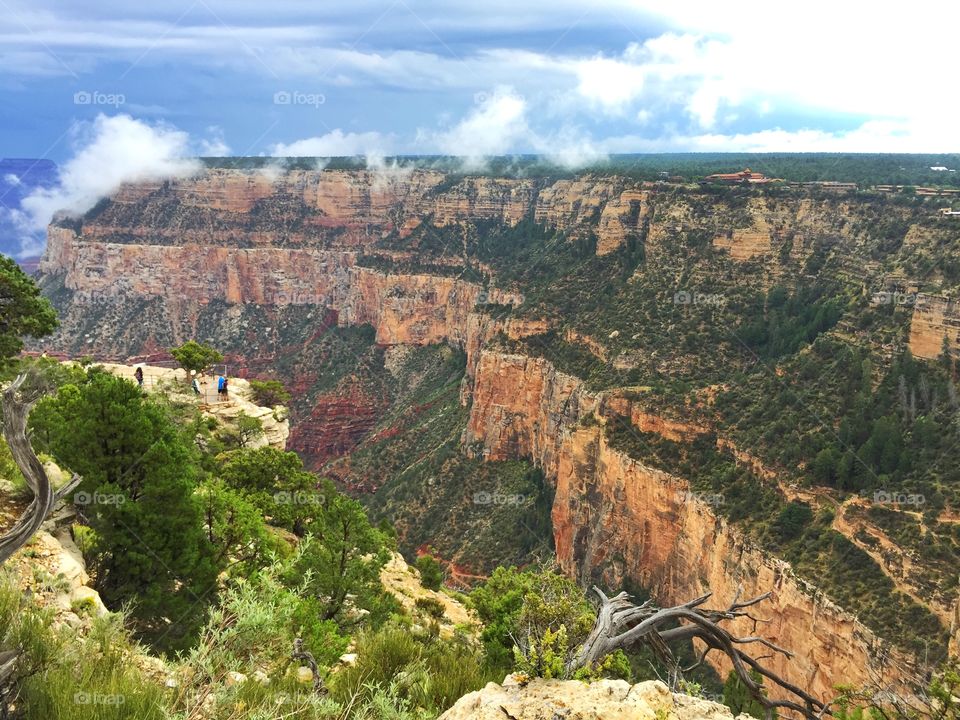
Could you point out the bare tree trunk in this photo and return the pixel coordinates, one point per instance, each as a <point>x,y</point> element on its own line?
<point>621,624</point>
<point>303,655</point>
<point>16,411</point>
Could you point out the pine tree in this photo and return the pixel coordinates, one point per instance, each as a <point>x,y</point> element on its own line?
<point>737,697</point>
<point>139,477</point>
<point>342,557</point>
<point>24,312</point>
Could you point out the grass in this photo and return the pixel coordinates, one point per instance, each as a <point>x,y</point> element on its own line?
<point>432,673</point>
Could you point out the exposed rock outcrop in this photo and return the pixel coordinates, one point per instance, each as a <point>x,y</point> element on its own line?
<point>403,582</point>
<point>574,700</point>
<point>935,318</point>
<point>51,568</point>
<point>273,421</point>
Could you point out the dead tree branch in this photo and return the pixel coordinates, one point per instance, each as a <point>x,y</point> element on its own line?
<point>621,624</point>
<point>16,411</point>
<point>300,654</point>
<point>17,402</point>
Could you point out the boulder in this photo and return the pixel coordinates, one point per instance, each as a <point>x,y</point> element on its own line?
<point>235,678</point>
<point>574,700</point>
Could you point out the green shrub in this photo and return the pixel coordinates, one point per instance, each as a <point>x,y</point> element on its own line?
<point>429,672</point>
<point>431,572</point>
<point>84,606</point>
<point>269,393</point>
<point>64,676</point>
<point>530,608</point>
<point>431,607</point>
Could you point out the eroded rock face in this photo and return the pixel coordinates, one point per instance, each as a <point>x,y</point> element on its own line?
<point>575,700</point>
<point>614,516</point>
<point>934,319</point>
<point>339,420</point>
<point>51,568</point>
<point>745,243</point>
<point>409,309</point>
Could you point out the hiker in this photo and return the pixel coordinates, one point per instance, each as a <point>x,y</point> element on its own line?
<point>222,387</point>
<point>138,374</point>
<point>196,383</point>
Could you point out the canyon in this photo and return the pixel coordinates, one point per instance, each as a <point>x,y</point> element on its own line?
<point>263,264</point>
<point>615,514</point>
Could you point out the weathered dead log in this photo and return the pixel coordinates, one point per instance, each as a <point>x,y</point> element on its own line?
<point>16,411</point>
<point>621,625</point>
<point>305,656</point>
<point>17,403</point>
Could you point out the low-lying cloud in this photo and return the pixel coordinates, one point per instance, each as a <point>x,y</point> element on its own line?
<point>495,127</point>
<point>111,151</point>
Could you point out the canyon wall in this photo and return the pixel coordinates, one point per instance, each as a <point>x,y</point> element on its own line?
<point>934,320</point>
<point>614,516</point>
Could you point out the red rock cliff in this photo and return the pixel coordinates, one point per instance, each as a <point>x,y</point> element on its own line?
<point>633,521</point>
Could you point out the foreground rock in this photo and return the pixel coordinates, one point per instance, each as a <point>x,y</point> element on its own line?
<point>575,700</point>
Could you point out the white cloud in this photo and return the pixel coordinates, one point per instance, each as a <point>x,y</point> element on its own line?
<point>387,176</point>
<point>569,148</point>
<point>11,179</point>
<point>500,125</point>
<point>819,57</point>
<point>494,127</point>
<point>112,151</point>
<point>874,136</point>
<point>335,143</point>
<point>272,172</point>
<point>610,83</point>
<point>215,145</point>
<point>31,240</point>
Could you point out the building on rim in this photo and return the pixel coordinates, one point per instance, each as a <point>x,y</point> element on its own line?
<point>744,176</point>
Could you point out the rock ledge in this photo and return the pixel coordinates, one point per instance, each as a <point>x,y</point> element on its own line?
<point>574,700</point>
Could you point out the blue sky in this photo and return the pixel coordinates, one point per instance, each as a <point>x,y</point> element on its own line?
<point>115,91</point>
<point>402,76</point>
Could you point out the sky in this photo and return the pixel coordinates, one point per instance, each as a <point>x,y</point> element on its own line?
<point>114,90</point>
